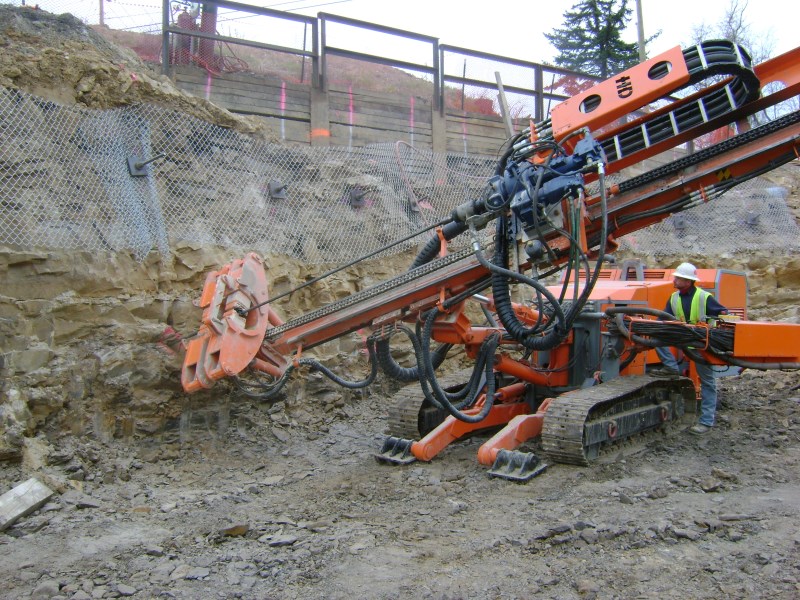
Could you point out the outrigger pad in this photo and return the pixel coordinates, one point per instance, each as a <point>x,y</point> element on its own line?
<point>517,466</point>
<point>396,451</point>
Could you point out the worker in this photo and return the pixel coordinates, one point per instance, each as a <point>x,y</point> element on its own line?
<point>691,304</point>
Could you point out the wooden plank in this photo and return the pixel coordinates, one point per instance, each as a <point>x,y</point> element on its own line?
<point>22,500</point>
<point>477,128</point>
<point>363,137</point>
<point>342,135</point>
<point>382,124</point>
<point>379,122</point>
<point>297,97</point>
<point>241,104</point>
<point>293,131</point>
<point>381,96</point>
<point>343,102</point>
<point>455,128</point>
<point>256,89</point>
<point>397,118</point>
<point>457,147</point>
<point>477,122</point>
<point>200,76</point>
<point>339,102</point>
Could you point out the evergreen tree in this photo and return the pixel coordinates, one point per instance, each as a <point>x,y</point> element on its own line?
<point>590,39</point>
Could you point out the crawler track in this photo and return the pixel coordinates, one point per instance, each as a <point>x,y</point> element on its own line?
<point>411,416</point>
<point>580,424</point>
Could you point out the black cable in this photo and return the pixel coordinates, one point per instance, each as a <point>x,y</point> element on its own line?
<point>264,391</point>
<point>485,359</point>
<point>243,312</point>
<point>394,369</point>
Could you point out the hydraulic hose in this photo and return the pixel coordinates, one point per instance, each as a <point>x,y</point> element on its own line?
<point>268,391</point>
<point>394,369</point>
<point>485,360</point>
<point>431,248</point>
<point>502,297</point>
<point>462,397</point>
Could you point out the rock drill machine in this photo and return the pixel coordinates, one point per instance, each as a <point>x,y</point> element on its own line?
<point>572,368</point>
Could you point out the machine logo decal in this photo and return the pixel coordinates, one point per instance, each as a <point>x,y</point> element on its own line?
<point>624,87</point>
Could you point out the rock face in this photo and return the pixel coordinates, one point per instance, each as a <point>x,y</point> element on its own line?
<point>91,343</point>
<point>58,58</point>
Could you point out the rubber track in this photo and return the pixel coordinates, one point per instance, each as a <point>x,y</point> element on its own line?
<point>567,415</point>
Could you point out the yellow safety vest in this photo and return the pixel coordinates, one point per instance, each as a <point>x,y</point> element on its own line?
<point>697,312</point>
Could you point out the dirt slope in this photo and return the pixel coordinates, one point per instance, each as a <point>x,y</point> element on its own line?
<point>163,495</point>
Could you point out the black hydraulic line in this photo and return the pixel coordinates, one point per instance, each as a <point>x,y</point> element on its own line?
<point>502,297</point>
<point>450,230</point>
<point>264,391</point>
<point>749,364</point>
<point>394,369</point>
<point>427,378</point>
<point>428,253</point>
<point>637,310</point>
<point>578,306</point>
<point>351,385</point>
<point>708,59</point>
<point>485,359</point>
<point>707,153</point>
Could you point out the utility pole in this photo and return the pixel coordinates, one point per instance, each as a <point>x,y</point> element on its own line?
<point>102,14</point>
<point>640,27</point>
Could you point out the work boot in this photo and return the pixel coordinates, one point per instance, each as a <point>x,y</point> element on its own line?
<point>662,372</point>
<point>700,429</point>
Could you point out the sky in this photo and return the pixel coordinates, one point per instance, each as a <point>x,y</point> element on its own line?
<point>512,30</point>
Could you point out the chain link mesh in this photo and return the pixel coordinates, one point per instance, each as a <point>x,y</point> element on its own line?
<point>68,179</point>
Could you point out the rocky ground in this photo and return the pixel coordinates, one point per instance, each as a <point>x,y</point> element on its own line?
<point>157,494</point>
<point>254,506</point>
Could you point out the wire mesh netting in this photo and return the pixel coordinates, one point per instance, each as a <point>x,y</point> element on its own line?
<point>75,178</point>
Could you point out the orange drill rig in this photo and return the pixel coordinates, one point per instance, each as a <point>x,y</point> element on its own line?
<point>573,366</point>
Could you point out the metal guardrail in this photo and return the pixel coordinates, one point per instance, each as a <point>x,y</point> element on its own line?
<point>522,78</point>
<point>515,71</point>
<point>327,50</point>
<point>182,34</point>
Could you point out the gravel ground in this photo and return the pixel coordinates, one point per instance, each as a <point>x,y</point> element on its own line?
<point>267,509</point>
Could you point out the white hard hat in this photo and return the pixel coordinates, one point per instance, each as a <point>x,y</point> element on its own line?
<point>687,271</point>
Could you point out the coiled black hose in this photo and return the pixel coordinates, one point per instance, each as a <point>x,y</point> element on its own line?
<point>502,298</point>
<point>394,369</point>
<point>485,360</point>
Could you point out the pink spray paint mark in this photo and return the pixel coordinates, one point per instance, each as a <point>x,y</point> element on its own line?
<point>351,109</point>
<point>411,118</point>
<point>352,118</point>
<point>283,110</point>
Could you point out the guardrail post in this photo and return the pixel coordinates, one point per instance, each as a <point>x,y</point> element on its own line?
<point>320,119</point>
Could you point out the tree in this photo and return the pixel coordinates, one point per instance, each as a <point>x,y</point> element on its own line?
<point>590,39</point>
<point>734,27</point>
<point>760,46</point>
